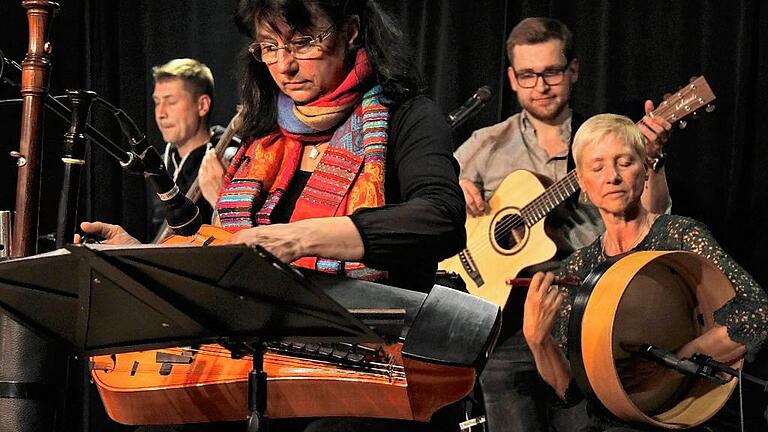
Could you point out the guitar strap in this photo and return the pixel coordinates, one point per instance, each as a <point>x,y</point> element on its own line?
<point>576,121</point>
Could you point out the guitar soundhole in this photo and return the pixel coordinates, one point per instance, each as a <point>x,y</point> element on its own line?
<point>509,231</point>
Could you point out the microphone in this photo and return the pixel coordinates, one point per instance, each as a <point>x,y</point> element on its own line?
<point>692,367</point>
<point>182,215</point>
<point>470,107</point>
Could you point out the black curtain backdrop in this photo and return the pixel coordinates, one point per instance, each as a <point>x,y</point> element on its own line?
<point>629,51</point>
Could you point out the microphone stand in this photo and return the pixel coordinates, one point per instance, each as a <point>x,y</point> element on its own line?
<point>697,365</point>
<point>142,159</point>
<point>708,363</point>
<point>10,73</point>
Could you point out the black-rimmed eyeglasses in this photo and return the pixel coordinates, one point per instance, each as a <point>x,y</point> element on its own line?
<point>551,76</point>
<point>304,47</point>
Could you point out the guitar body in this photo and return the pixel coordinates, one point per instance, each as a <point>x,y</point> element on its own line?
<point>139,389</point>
<point>500,244</point>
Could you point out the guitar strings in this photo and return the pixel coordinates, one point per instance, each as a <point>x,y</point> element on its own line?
<point>223,352</point>
<point>391,369</point>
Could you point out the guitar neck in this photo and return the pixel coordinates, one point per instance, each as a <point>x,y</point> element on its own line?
<point>554,195</point>
<point>194,191</point>
<point>540,207</point>
<point>673,109</point>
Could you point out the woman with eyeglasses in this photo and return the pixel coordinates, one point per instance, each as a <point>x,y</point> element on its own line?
<point>347,161</point>
<point>346,167</point>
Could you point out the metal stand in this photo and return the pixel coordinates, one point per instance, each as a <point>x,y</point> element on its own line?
<point>711,366</point>
<point>257,393</point>
<point>257,382</point>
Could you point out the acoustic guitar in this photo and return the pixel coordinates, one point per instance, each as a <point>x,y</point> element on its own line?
<point>511,236</point>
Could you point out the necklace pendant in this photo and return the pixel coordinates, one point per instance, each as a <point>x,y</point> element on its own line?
<point>314,152</point>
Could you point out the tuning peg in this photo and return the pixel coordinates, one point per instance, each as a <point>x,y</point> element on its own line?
<point>683,124</point>
<point>709,108</point>
<point>692,79</point>
<point>667,96</point>
<point>695,115</point>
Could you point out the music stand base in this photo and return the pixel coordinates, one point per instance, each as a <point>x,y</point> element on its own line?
<point>257,392</point>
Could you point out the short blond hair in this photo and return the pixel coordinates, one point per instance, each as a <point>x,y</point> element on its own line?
<point>196,76</point>
<point>602,125</point>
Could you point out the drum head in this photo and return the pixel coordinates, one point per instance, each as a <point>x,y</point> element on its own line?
<point>665,299</point>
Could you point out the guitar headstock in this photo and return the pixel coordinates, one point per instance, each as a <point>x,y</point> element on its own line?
<point>688,101</point>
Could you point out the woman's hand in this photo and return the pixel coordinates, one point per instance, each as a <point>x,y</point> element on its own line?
<point>281,240</point>
<point>542,306</point>
<point>210,177</point>
<point>656,130</point>
<point>111,234</point>
<point>331,237</point>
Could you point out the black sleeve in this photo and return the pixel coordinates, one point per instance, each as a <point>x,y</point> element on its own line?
<point>424,216</point>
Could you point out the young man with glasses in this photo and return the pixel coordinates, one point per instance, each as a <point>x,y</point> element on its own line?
<point>542,72</point>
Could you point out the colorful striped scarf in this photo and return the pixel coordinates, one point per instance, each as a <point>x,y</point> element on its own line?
<point>349,176</point>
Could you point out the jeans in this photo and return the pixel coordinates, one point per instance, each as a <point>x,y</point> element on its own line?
<point>517,399</point>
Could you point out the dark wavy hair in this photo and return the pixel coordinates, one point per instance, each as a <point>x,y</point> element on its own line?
<point>390,57</point>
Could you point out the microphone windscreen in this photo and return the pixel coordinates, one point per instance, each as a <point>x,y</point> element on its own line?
<point>484,93</point>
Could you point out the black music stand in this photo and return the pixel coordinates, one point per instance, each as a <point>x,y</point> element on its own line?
<point>96,299</point>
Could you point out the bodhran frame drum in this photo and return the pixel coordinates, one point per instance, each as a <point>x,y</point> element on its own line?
<point>662,298</point>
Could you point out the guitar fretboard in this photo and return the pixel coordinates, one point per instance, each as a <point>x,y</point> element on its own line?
<point>550,198</point>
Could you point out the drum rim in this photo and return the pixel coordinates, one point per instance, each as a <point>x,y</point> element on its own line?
<point>579,309</point>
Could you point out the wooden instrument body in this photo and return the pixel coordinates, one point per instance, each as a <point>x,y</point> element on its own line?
<point>34,88</point>
<point>493,260</point>
<point>138,388</point>
<point>213,387</point>
<point>207,235</point>
<point>660,298</point>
